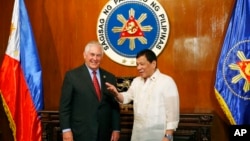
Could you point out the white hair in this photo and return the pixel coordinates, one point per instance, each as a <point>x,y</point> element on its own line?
<point>91,44</point>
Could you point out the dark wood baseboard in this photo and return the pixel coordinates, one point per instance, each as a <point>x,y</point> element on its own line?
<point>192,127</point>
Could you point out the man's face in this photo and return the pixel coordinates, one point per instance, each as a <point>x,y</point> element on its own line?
<point>144,67</point>
<point>93,57</point>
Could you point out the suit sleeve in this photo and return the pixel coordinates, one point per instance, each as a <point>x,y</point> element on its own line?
<point>116,110</point>
<point>65,101</point>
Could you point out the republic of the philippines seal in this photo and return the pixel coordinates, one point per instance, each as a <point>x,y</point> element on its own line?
<point>125,27</point>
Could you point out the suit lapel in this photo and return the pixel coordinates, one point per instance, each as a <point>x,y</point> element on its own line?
<point>103,80</point>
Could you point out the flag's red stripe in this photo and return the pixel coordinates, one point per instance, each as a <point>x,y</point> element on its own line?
<point>18,98</point>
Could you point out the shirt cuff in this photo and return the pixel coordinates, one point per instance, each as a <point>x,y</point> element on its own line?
<point>66,130</point>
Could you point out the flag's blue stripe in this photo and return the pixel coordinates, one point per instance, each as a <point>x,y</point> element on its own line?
<point>29,59</point>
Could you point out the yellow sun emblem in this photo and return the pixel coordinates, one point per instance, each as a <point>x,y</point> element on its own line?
<point>132,29</point>
<point>12,28</point>
<point>243,67</point>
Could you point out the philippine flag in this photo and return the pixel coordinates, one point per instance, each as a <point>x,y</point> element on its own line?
<point>21,79</point>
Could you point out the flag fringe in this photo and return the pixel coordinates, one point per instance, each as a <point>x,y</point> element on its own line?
<point>8,114</point>
<point>224,107</point>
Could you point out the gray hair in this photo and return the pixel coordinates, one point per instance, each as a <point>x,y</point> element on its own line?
<point>91,44</point>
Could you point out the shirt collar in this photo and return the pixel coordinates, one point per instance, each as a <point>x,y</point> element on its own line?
<point>97,71</point>
<point>153,77</point>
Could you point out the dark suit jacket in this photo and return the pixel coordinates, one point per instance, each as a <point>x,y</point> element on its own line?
<point>80,109</point>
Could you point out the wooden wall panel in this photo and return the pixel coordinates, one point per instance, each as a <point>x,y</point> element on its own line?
<point>5,21</point>
<point>62,28</point>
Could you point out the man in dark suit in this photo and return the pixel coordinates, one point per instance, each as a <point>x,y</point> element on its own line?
<point>84,117</point>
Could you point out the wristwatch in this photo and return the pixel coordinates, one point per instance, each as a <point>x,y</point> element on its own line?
<point>169,137</point>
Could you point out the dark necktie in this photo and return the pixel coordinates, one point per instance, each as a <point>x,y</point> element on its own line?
<point>96,85</point>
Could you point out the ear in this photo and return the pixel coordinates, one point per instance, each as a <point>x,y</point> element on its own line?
<point>154,64</point>
<point>84,55</point>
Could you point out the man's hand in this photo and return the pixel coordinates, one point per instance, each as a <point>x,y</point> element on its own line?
<point>68,136</point>
<point>115,136</point>
<point>165,139</point>
<point>114,92</point>
<point>112,89</point>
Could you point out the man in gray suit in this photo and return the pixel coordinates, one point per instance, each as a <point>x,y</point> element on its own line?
<point>84,117</point>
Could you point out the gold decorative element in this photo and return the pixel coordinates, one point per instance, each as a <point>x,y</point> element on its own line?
<point>225,108</point>
<point>124,85</point>
<point>9,116</point>
<point>132,62</point>
<point>244,71</point>
<point>124,61</point>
